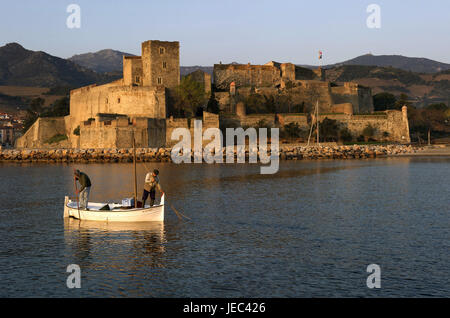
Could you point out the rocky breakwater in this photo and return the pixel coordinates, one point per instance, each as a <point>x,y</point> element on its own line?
<point>85,155</point>
<point>343,152</point>
<point>164,154</point>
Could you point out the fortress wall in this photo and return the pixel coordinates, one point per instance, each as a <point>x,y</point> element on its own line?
<point>223,99</point>
<point>253,120</point>
<point>119,133</point>
<point>365,100</point>
<point>132,70</point>
<point>360,97</point>
<point>136,101</point>
<point>157,131</point>
<point>300,119</point>
<point>302,73</point>
<point>245,75</point>
<point>209,120</point>
<point>202,78</point>
<point>43,129</point>
<point>86,102</point>
<point>288,71</point>
<point>345,108</point>
<point>345,99</point>
<point>393,122</point>
<point>130,100</point>
<point>309,93</point>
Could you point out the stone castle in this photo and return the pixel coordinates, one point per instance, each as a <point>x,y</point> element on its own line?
<point>303,86</point>
<point>109,115</point>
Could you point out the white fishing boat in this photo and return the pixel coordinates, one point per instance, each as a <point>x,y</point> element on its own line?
<point>116,212</point>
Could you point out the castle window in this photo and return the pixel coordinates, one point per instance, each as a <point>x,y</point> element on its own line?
<point>118,100</point>
<point>159,80</point>
<point>137,79</point>
<point>164,64</point>
<point>161,50</point>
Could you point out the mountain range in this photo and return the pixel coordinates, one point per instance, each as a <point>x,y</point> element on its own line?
<point>412,64</point>
<point>103,61</point>
<point>22,67</point>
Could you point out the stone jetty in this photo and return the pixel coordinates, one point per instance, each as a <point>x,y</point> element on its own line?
<point>164,154</point>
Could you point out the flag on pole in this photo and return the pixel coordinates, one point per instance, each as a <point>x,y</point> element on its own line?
<point>320,55</point>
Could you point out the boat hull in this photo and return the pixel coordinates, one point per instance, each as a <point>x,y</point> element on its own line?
<point>149,214</point>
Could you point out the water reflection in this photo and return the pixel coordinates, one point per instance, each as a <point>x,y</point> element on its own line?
<point>113,244</point>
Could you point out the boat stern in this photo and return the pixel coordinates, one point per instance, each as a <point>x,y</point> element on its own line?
<point>66,208</point>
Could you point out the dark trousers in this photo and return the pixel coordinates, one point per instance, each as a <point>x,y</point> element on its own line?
<point>145,195</point>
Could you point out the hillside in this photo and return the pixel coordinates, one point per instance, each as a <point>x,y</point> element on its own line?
<point>421,88</point>
<point>22,67</point>
<point>405,63</point>
<point>412,64</point>
<point>102,61</point>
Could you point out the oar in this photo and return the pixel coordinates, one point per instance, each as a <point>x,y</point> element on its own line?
<point>76,192</point>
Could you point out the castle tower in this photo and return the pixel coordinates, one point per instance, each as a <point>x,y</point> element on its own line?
<point>406,136</point>
<point>161,63</point>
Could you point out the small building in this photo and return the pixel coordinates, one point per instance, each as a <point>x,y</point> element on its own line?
<point>7,135</point>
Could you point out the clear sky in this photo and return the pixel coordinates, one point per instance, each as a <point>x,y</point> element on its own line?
<point>244,31</point>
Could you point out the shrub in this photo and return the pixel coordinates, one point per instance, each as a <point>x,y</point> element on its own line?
<point>76,131</point>
<point>329,130</point>
<point>56,138</point>
<point>291,130</point>
<point>369,131</point>
<point>345,135</point>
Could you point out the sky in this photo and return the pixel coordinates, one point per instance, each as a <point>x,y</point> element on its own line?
<point>255,31</point>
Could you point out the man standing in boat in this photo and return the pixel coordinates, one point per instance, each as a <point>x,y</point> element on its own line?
<point>85,183</point>
<point>151,183</point>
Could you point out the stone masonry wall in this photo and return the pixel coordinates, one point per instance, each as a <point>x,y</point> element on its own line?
<point>161,63</point>
<point>89,101</point>
<point>245,75</point>
<point>41,131</point>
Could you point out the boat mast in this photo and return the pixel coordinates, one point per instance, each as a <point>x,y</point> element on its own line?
<point>317,119</point>
<point>135,178</point>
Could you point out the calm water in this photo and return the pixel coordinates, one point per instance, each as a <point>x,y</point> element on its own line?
<point>310,230</point>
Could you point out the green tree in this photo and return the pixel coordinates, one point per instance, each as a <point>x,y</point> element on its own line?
<point>439,106</point>
<point>402,101</point>
<point>59,108</point>
<point>291,130</point>
<point>345,135</point>
<point>383,101</point>
<point>213,105</point>
<point>328,130</point>
<point>34,110</point>
<point>255,104</point>
<point>186,99</point>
